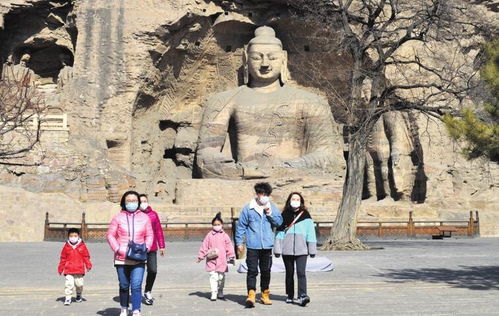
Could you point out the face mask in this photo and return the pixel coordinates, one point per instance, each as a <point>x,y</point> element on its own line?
<point>295,204</point>
<point>73,240</point>
<point>264,199</point>
<point>143,206</point>
<point>131,207</point>
<point>217,228</point>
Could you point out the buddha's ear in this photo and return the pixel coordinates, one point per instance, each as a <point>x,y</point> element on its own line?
<point>245,65</point>
<point>284,68</point>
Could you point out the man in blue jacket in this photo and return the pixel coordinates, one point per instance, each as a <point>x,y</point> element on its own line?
<point>255,225</point>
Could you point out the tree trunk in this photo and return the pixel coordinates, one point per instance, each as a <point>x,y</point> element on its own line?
<point>343,232</point>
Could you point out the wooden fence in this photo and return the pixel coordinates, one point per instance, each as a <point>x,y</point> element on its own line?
<point>57,231</point>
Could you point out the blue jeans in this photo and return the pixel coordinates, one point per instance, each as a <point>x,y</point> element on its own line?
<point>130,276</point>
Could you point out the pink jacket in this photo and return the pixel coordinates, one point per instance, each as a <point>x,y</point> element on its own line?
<point>159,237</point>
<point>117,233</point>
<point>221,241</point>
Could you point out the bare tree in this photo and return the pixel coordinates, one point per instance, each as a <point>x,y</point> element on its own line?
<point>21,109</point>
<point>405,57</point>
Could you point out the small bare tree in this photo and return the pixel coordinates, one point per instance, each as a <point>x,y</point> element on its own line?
<point>21,109</point>
<point>405,56</point>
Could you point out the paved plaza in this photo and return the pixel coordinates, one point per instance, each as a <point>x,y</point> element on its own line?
<point>423,277</point>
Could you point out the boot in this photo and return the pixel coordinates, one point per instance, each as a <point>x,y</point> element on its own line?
<point>265,298</point>
<point>251,300</point>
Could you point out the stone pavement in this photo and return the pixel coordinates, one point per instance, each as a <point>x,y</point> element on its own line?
<point>423,277</point>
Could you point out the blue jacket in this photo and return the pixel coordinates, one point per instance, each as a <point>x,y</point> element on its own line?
<point>256,228</point>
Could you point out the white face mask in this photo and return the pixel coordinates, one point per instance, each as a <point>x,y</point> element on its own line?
<point>264,199</point>
<point>295,204</point>
<point>217,228</point>
<point>73,240</point>
<point>143,206</point>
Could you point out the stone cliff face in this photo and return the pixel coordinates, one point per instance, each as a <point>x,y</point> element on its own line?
<point>132,78</point>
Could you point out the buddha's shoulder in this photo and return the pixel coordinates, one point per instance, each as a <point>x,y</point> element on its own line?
<point>224,95</point>
<point>304,95</point>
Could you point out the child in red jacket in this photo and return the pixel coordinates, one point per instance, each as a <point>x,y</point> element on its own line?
<point>74,259</point>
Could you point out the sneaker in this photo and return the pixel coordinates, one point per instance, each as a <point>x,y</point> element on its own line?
<point>136,313</point>
<point>67,302</point>
<point>148,296</point>
<point>213,296</point>
<point>78,299</point>
<point>289,300</point>
<point>124,312</point>
<point>302,301</point>
<point>148,299</point>
<point>220,295</point>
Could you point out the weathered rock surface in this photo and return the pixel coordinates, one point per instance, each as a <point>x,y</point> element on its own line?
<point>133,78</point>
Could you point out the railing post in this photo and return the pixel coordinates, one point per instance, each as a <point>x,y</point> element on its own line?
<point>470,224</point>
<point>380,232</point>
<point>84,231</point>
<point>477,224</point>
<point>410,226</point>
<point>46,229</point>
<point>233,229</point>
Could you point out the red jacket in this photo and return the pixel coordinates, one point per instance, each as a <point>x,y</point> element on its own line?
<point>74,258</point>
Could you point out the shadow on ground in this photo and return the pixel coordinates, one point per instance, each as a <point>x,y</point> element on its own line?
<point>113,311</point>
<point>473,278</point>
<point>63,298</point>
<point>239,299</point>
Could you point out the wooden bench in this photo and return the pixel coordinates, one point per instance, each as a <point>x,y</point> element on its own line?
<point>444,232</point>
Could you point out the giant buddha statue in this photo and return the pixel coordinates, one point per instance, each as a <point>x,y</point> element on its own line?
<point>273,126</point>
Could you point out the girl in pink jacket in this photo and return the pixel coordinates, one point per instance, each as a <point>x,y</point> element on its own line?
<point>216,248</point>
<point>129,224</point>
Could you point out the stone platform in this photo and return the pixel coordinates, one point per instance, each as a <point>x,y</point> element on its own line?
<point>444,277</point>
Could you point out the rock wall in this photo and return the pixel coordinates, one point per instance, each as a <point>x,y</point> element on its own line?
<point>133,76</point>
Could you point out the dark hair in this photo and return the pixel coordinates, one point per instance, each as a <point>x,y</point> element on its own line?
<point>288,211</point>
<point>73,230</point>
<point>122,202</point>
<point>143,195</point>
<point>217,217</point>
<point>263,188</point>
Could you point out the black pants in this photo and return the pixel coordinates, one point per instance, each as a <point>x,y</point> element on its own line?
<point>258,258</point>
<point>301,265</point>
<point>152,270</point>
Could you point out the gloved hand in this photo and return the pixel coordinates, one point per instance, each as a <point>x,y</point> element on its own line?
<point>312,256</point>
<point>277,255</point>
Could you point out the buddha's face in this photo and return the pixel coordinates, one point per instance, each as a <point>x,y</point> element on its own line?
<point>265,62</point>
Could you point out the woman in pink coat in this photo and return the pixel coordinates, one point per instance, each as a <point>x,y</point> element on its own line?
<point>158,243</point>
<point>216,248</point>
<point>129,224</point>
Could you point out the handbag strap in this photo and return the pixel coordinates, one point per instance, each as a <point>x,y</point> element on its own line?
<point>293,222</point>
<point>133,226</point>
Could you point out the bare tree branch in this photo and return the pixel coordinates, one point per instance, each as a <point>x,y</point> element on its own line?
<point>21,115</point>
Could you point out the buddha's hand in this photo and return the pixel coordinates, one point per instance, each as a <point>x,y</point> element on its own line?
<point>294,163</point>
<point>251,171</point>
<point>221,166</point>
